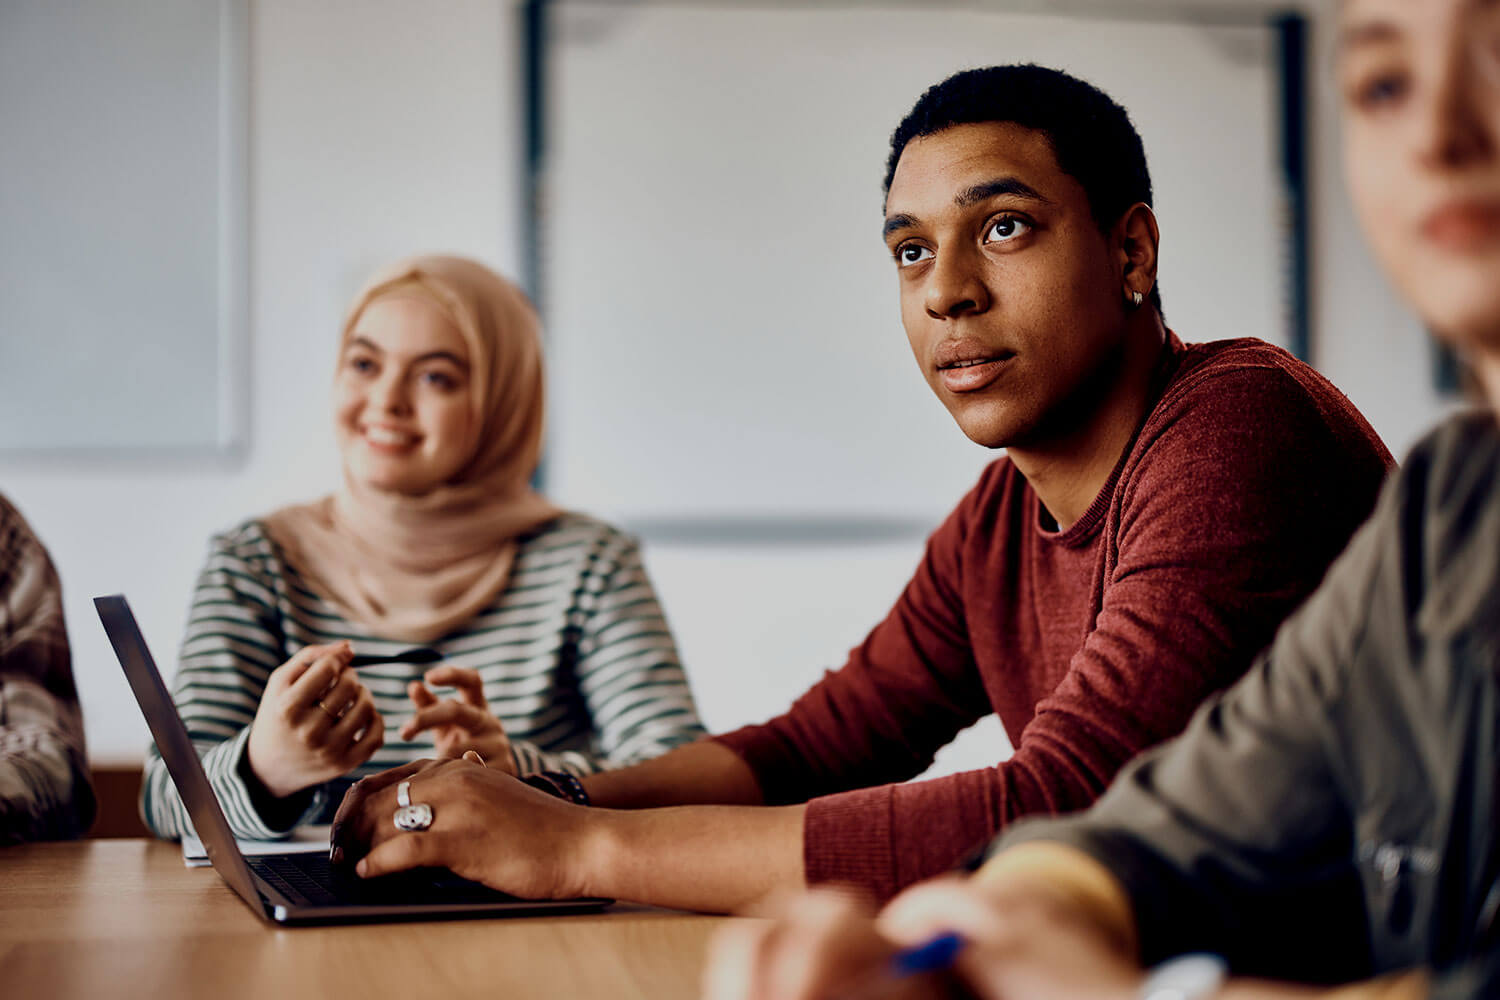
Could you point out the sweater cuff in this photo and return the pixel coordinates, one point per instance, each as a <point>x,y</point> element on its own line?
<point>770,761</point>
<point>246,822</point>
<point>848,838</point>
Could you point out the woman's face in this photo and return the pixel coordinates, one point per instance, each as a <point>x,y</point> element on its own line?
<point>403,410</point>
<point>1420,85</point>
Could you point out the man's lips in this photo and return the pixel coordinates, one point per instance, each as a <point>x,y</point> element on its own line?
<point>968,365</point>
<point>1464,225</point>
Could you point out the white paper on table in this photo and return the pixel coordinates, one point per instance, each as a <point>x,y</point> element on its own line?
<point>304,840</point>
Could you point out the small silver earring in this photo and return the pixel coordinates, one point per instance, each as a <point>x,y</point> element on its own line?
<point>1136,298</point>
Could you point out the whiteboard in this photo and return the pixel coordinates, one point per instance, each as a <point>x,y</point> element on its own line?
<point>122,226</point>
<point>724,337</point>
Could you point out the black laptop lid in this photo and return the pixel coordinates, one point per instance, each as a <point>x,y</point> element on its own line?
<point>175,746</point>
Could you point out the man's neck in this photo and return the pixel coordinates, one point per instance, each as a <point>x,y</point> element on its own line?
<point>1068,470</point>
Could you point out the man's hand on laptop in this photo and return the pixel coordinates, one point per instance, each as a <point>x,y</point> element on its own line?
<point>315,722</point>
<point>486,827</point>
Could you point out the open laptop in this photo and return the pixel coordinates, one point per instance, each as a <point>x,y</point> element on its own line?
<point>294,888</point>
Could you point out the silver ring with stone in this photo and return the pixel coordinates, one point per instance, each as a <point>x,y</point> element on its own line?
<point>410,819</point>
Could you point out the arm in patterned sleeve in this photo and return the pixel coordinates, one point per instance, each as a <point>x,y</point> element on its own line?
<point>628,670</point>
<point>233,643</point>
<point>44,779</point>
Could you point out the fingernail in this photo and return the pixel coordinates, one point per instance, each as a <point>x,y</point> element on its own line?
<point>361,868</point>
<point>336,855</point>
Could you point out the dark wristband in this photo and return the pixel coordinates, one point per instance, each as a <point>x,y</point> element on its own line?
<point>561,784</point>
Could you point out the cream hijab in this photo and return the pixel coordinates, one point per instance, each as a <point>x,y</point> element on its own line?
<point>415,568</point>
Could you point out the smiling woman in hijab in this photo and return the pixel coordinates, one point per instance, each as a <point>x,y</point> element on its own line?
<point>553,655</point>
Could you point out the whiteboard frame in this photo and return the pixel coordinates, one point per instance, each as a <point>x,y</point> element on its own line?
<point>1289,22</point>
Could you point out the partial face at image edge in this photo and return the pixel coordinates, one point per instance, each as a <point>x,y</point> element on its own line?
<point>1420,90</point>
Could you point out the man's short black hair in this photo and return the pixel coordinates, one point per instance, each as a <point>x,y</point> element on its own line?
<point>1091,136</point>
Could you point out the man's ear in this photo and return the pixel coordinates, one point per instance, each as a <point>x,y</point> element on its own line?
<point>1138,240</point>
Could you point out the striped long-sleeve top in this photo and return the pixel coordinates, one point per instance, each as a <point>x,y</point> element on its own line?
<point>575,655</point>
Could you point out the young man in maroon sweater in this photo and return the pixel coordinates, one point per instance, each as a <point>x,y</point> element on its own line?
<point>1159,510</point>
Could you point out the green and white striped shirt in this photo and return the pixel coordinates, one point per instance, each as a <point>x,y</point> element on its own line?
<point>576,658</point>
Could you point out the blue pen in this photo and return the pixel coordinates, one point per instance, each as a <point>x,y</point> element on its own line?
<point>935,954</point>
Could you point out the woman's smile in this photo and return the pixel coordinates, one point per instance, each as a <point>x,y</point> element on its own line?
<point>394,440</point>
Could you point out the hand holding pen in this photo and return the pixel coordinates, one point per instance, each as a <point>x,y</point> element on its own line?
<point>315,722</point>
<point>942,939</point>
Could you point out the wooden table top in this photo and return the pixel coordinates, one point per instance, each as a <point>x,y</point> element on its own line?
<point>125,918</point>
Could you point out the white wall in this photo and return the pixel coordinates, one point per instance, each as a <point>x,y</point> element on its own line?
<point>379,129</point>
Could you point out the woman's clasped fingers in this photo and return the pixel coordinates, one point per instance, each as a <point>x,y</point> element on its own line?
<point>447,713</point>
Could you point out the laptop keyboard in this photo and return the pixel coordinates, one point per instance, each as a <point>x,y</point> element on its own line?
<point>306,879</point>
<point>311,880</point>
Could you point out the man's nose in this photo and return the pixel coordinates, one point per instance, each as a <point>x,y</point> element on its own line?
<point>956,287</point>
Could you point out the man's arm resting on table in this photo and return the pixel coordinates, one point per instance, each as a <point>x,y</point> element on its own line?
<point>1067,876</point>
<point>721,859</point>
<point>493,828</point>
<point>701,773</point>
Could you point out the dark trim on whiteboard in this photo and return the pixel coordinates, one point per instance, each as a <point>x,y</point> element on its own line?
<point>533,16</point>
<point>534,50</point>
<point>1292,54</point>
<point>237,374</point>
<point>1231,13</point>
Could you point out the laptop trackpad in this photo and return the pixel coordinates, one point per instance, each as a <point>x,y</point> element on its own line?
<point>421,885</point>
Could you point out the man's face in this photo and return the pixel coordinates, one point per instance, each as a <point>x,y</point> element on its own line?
<point>1420,85</point>
<point>1011,296</point>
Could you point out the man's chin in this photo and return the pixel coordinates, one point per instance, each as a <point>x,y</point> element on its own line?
<point>990,430</point>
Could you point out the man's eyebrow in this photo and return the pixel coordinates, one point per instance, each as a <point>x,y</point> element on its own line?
<point>897,222</point>
<point>1001,185</point>
<point>971,196</point>
<point>1360,33</point>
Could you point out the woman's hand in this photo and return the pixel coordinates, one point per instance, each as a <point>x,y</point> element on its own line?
<point>315,722</point>
<point>828,944</point>
<point>464,723</point>
<point>486,826</point>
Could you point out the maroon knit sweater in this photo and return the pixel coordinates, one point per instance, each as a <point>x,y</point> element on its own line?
<point>1246,478</point>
